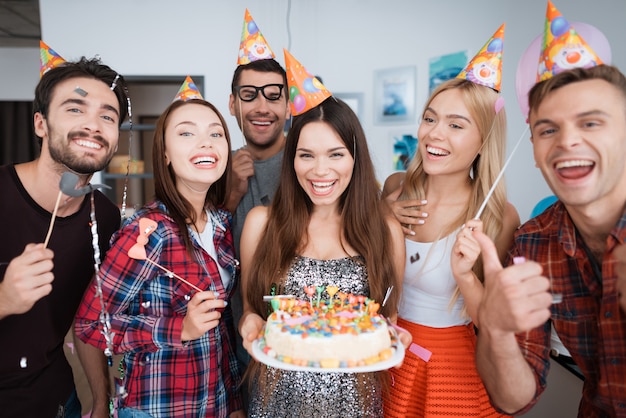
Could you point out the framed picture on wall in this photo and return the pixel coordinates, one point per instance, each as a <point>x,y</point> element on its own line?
<point>354,100</point>
<point>394,95</point>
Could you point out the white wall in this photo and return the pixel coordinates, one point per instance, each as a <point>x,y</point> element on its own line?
<point>344,41</point>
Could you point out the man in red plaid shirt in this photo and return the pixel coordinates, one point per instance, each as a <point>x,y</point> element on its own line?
<point>578,124</point>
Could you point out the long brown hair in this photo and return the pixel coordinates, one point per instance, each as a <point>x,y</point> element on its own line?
<point>363,215</point>
<point>179,208</point>
<point>480,102</point>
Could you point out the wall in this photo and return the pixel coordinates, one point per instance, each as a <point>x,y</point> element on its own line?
<point>343,41</point>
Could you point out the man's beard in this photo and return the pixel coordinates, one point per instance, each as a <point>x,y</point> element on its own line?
<point>62,154</point>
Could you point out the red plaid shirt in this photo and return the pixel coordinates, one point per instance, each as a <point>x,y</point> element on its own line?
<point>163,376</point>
<point>589,321</point>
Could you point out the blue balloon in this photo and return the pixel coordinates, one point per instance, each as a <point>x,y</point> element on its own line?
<point>309,86</point>
<point>559,26</point>
<point>252,28</point>
<point>495,45</point>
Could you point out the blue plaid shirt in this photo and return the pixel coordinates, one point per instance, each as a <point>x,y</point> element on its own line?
<point>164,376</point>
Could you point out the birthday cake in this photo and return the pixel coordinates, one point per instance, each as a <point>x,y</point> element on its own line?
<point>341,332</point>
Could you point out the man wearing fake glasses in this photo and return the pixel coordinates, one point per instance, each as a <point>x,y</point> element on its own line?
<point>259,102</point>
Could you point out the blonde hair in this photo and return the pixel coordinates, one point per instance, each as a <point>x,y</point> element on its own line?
<point>480,102</point>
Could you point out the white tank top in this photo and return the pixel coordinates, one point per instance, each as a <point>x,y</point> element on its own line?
<point>428,285</point>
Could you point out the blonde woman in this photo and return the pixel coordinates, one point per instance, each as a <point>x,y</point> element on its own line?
<point>460,153</point>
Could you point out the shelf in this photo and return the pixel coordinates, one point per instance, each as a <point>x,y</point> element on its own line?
<point>138,127</point>
<point>106,175</point>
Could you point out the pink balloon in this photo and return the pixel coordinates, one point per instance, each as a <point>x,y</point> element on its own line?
<point>299,103</point>
<point>526,75</point>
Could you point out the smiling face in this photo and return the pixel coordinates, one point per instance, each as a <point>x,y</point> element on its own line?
<point>196,147</point>
<point>449,139</point>
<point>579,143</point>
<point>81,131</point>
<point>323,164</point>
<point>261,120</point>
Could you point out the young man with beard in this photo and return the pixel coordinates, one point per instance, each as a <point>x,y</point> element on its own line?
<point>260,103</point>
<point>78,110</point>
<point>578,125</point>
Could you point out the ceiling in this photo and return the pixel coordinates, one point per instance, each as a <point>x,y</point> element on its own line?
<point>19,23</point>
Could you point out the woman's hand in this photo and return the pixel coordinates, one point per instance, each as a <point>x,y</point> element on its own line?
<point>201,315</point>
<point>466,251</point>
<point>250,327</point>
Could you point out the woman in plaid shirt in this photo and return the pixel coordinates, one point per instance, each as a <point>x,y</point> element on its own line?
<point>169,312</point>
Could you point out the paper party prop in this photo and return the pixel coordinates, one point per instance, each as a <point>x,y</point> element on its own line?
<point>67,185</point>
<point>305,90</point>
<point>188,90</point>
<point>526,74</point>
<point>48,58</point>
<point>562,48</point>
<point>138,251</point>
<point>253,45</point>
<point>486,67</point>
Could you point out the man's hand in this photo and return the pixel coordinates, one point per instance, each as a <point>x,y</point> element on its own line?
<point>27,279</point>
<point>201,315</point>
<point>516,298</point>
<point>406,211</point>
<point>620,255</point>
<point>243,169</point>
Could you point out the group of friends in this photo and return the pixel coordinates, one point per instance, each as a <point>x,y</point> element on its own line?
<point>179,286</point>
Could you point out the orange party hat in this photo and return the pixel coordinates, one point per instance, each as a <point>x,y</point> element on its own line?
<point>486,66</point>
<point>48,58</point>
<point>188,91</point>
<point>305,91</point>
<point>253,45</point>
<point>562,48</point>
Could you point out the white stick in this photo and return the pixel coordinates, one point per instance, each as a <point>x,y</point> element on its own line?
<point>495,183</point>
<point>54,215</point>
<point>173,274</point>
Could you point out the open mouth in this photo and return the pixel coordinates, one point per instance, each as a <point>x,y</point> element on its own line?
<point>437,151</point>
<point>204,161</point>
<point>322,186</point>
<point>88,144</point>
<point>574,169</point>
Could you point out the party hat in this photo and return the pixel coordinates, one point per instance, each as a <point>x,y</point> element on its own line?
<point>253,45</point>
<point>562,48</point>
<point>486,66</point>
<point>188,91</point>
<point>48,58</point>
<point>305,90</point>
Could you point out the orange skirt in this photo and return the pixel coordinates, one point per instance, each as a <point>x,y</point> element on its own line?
<point>447,384</point>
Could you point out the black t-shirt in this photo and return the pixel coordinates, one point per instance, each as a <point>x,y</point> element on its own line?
<point>34,374</point>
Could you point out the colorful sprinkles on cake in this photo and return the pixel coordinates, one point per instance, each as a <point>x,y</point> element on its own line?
<point>322,318</point>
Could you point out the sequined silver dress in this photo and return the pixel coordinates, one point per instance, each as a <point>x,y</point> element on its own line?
<point>307,394</point>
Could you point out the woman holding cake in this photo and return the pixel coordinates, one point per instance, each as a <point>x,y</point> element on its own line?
<point>326,226</point>
<point>461,148</point>
<point>167,279</point>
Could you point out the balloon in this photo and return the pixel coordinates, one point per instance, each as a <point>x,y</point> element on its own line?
<point>495,45</point>
<point>299,102</point>
<point>293,92</point>
<point>252,27</point>
<point>309,86</point>
<point>318,84</point>
<point>526,75</point>
<point>559,26</point>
